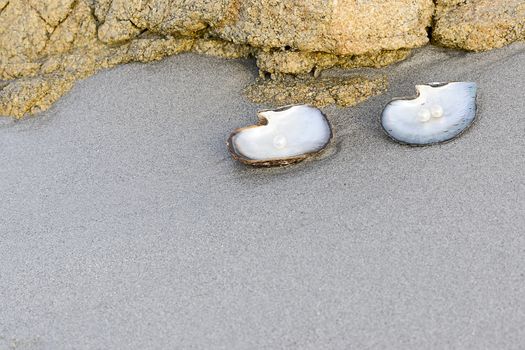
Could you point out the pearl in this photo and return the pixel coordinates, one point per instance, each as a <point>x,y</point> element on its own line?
<point>279,142</point>
<point>436,111</point>
<point>424,115</point>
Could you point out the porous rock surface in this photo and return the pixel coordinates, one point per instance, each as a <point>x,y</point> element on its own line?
<point>336,26</point>
<point>342,91</point>
<point>45,46</point>
<point>301,62</point>
<point>479,25</point>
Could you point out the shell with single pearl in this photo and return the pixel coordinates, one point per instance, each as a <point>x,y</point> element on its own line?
<point>283,136</point>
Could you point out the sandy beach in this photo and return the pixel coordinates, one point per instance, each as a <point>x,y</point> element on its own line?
<point>125,224</point>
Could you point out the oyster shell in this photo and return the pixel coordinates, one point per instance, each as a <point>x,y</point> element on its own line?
<point>440,112</point>
<point>283,136</point>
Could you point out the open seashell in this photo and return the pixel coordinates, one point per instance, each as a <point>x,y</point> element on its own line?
<point>440,112</point>
<point>283,136</point>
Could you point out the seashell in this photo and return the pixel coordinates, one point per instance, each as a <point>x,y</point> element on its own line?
<point>439,113</point>
<point>283,136</point>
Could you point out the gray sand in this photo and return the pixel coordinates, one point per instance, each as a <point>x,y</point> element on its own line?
<point>126,225</point>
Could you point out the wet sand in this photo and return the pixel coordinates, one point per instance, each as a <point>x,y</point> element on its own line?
<point>125,224</point>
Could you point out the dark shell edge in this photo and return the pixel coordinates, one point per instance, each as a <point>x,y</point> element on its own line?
<point>452,138</point>
<point>279,162</point>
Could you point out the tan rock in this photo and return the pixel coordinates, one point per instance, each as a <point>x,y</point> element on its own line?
<point>301,62</point>
<point>101,8</point>
<point>125,19</point>
<point>23,33</point>
<point>77,29</point>
<point>52,12</point>
<point>479,25</point>
<point>32,95</point>
<point>341,91</point>
<point>334,26</point>
<point>341,27</point>
<point>221,48</point>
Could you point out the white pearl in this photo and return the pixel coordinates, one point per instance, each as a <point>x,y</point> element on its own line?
<point>424,115</point>
<point>436,111</point>
<point>279,142</point>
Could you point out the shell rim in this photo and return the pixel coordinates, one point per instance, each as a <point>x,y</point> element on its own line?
<point>262,121</point>
<point>434,85</point>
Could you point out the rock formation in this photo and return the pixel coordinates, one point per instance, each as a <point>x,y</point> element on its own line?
<point>45,46</point>
<point>479,25</point>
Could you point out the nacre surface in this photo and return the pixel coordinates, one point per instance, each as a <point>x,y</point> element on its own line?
<point>283,136</point>
<point>440,112</point>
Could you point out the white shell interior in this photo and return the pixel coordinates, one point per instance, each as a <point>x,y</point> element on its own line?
<point>438,114</point>
<point>290,132</point>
